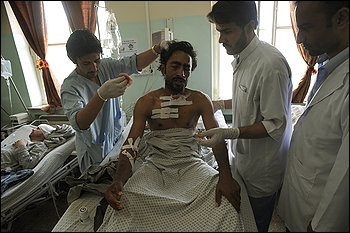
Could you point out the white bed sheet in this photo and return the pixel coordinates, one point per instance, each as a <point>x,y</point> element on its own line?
<point>70,221</point>
<point>43,172</point>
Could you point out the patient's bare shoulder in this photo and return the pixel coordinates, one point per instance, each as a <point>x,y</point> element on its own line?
<point>148,101</point>
<point>199,97</point>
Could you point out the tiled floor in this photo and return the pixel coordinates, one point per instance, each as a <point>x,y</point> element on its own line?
<point>43,217</point>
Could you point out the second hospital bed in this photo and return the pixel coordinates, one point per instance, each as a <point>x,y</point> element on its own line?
<point>54,166</point>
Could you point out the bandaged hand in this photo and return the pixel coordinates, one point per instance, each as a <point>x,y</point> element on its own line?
<point>216,135</point>
<point>113,195</point>
<point>114,87</point>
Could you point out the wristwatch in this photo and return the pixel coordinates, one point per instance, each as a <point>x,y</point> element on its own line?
<point>154,51</point>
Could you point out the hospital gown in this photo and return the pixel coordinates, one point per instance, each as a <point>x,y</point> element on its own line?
<point>173,190</point>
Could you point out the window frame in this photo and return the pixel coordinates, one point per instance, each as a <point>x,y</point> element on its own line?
<point>216,93</point>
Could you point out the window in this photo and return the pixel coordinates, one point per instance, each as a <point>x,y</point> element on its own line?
<point>35,85</point>
<point>58,31</point>
<point>275,28</point>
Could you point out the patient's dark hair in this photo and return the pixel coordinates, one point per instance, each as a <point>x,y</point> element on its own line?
<point>176,46</point>
<point>238,12</point>
<point>82,42</point>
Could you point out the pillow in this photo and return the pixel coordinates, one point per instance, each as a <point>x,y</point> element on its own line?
<point>46,129</point>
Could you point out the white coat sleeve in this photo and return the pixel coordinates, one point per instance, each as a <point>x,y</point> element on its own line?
<point>332,214</point>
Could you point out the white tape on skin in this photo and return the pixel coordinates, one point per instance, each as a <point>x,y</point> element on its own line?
<point>165,116</point>
<point>133,147</point>
<point>175,100</point>
<point>165,113</point>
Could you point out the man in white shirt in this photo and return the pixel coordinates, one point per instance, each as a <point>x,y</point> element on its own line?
<point>261,106</point>
<point>315,191</point>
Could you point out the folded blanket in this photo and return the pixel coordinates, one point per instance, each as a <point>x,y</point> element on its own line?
<point>173,190</point>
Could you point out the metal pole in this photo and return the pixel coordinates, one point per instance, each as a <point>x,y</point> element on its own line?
<point>20,97</point>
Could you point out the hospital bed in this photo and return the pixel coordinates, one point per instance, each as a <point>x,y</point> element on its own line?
<point>54,166</point>
<point>70,221</point>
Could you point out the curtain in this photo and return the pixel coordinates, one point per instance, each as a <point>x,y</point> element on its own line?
<point>31,18</point>
<point>81,14</point>
<point>300,92</point>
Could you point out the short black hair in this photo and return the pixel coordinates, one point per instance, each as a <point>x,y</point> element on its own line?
<point>329,7</point>
<point>238,12</point>
<point>82,42</point>
<point>174,46</point>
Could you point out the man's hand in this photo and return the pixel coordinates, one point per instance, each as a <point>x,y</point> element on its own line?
<point>114,87</point>
<point>113,195</point>
<point>21,142</point>
<point>229,188</point>
<point>216,135</point>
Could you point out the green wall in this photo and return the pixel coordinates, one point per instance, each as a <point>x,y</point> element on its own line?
<point>183,30</point>
<point>9,52</point>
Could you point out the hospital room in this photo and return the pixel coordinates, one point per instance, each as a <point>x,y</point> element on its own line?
<point>201,116</point>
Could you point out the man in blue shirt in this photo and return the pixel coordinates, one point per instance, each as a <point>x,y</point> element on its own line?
<point>89,94</point>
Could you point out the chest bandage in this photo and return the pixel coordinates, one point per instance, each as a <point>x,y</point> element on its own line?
<point>133,147</point>
<point>166,112</point>
<point>175,100</point>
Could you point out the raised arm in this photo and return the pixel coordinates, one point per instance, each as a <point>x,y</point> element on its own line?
<point>147,57</point>
<point>115,190</point>
<point>226,186</point>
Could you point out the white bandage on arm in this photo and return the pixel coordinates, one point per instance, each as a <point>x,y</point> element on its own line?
<point>133,147</point>
<point>217,135</point>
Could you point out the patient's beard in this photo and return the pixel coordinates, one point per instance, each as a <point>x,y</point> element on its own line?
<point>175,89</point>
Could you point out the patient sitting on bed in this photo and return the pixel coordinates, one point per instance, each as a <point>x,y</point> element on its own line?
<point>24,154</point>
<point>173,189</point>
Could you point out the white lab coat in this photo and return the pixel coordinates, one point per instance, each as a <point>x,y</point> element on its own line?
<point>262,92</point>
<point>316,183</point>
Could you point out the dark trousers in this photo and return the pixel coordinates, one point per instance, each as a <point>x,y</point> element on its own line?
<point>263,210</point>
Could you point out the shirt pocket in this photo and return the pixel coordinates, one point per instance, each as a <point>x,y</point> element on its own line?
<point>303,178</point>
<point>244,104</point>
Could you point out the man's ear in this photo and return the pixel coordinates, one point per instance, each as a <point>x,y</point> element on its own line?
<point>342,17</point>
<point>250,26</point>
